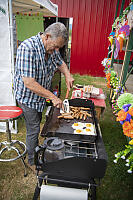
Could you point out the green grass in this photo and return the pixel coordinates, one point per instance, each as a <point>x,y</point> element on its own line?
<point>116,184</point>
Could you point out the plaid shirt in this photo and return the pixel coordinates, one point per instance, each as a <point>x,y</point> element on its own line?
<point>30,62</point>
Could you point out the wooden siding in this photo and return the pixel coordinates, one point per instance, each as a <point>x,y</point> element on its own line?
<point>92,22</point>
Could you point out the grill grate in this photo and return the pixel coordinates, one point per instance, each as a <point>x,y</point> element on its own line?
<point>80,149</point>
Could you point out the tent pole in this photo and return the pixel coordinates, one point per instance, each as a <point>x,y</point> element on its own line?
<point>12,49</point>
<point>56,19</point>
<point>11,41</point>
<point>11,37</point>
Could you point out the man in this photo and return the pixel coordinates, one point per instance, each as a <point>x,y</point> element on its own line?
<point>37,59</point>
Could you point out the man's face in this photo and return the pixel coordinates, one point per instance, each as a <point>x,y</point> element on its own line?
<point>53,44</point>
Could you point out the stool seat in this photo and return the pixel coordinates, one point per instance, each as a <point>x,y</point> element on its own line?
<point>10,112</point>
<point>7,114</point>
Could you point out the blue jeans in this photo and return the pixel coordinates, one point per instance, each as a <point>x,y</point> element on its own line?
<point>32,120</point>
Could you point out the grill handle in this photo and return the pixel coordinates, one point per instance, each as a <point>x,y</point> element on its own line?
<point>39,155</point>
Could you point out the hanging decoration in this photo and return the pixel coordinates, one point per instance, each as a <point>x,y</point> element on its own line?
<point>122,102</point>
<point>121,37</point>
<point>121,29</point>
<point>24,21</point>
<point>111,37</point>
<point>106,63</point>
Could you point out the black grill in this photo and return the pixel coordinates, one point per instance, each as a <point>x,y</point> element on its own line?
<point>84,157</point>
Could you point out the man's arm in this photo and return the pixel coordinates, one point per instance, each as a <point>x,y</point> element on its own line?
<point>69,79</point>
<point>35,87</point>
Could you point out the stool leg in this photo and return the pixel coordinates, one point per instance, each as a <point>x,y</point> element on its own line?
<point>3,150</point>
<point>25,171</point>
<point>8,132</point>
<point>9,146</point>
<point>20,144</point>
<point>22,159</point>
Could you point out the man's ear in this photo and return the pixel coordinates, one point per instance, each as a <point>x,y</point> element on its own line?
<point>48,35</point>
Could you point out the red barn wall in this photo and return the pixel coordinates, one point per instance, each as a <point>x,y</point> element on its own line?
<point>92,23</point>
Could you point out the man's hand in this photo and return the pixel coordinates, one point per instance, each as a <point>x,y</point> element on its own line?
<point>69,81</point>
<point>35,87</point>
<point>57,102</point>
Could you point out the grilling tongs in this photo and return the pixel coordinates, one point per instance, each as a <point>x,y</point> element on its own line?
<point>66,104</point>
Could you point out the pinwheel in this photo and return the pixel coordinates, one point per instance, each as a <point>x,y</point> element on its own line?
<point>111,37</point>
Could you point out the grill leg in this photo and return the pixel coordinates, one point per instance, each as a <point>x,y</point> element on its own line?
<point>37,189</point>
<point>92,192</point>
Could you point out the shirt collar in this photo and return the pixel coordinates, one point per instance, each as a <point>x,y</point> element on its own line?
<point>41,42</point>
<point>42,45</point>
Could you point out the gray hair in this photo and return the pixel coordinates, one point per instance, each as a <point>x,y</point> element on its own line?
<point>57,30</point>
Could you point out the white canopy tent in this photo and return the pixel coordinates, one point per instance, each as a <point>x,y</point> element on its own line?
<point>7,9</point>
<point>33,6</point>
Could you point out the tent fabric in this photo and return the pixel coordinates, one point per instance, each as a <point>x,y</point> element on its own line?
<point>6,92</point>
<point>35,6</point>
<point>6,97</point>
<point>28,26</point>
<point>47,8</point>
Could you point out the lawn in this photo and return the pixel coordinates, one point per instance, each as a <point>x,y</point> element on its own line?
<point>116,184</point>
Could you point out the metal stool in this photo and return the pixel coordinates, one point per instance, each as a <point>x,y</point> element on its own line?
<point>7,114</point>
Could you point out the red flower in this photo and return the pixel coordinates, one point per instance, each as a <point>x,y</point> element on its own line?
<point>130,111</point>
<point>121,115</point>
<point>108,84</point>
<point>108,76</point>
<point>131,122</point>
<point>128,128</point>
<point>129,134</point>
